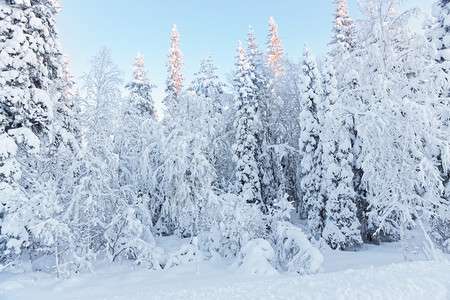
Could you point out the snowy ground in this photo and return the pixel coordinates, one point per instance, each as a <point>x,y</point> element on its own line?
<point>375,272</point>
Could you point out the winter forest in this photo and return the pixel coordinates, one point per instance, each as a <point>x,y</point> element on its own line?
<point>287,160</point>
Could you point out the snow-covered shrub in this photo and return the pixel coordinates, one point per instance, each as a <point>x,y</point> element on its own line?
<point>129,236</point>
<point>154,258</point>
<point>295,252</point>
<point>188,253</point>
<point>440,234</point>
<point>256,257</point>
<point>238,223</point>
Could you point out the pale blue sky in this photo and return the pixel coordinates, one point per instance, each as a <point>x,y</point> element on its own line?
<point>205,26</point>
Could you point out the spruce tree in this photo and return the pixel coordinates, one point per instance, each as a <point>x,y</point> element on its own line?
<point>29,91</point>
<point>309,143</point>
<point>174,81</point>
<point>341,229</point>
<point>269,171</point>
<point>206,83</point>
<point>344,29</point>
<point>140,88</point>
<point>274,53</point>
<point>247,124</point>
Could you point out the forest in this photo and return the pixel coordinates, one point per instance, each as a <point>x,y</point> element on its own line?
<point>354,145</point>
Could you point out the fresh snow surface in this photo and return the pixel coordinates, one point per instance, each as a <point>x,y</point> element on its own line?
<point>375,272</point>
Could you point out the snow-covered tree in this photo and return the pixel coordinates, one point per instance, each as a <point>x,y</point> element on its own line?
<point>174,81</point>
<point>441,29</point>
<point>341,226</point>
<point>309,143</point>
<point>137,145</point>
<point>248,129</point>
<point>395,128</point>
<point>288,93</point>
<point>269,171</point>
<point>97,195</point>
<point>106,214</point>
<point>139,135</point>
<point>439,36</point>
<point>344,29</point>
<point>207,86</point>
<point>185,177</point>
<point>274,52</point>
<point>140,90</point>
<point>206,83</point>
<point>30,70</point>
<point>343,42</point>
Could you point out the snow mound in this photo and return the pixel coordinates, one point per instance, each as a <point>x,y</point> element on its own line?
<point>295,252</point>
<point>188,253</point>
<point>255,258</point>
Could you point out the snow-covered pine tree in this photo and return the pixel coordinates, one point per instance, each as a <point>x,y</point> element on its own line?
<point>341,229</point>
<point>269,171</point>
<point>248,128</point>
<point>30,70</point>
<point>174,81</point>
<point>344,29</point>
<point>136,141</point>
<point>279,155</point>
<point>206,83</point>
<point>140,88</point>
<point>274,53</point>
<point>288,93</point>
<point>309,143</point>
<point>343,41</point>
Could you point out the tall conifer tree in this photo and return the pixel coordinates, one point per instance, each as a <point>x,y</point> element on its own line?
<point>309,143</point>
<point>248,127</point>
<point>275,52</point>
<point>175,64</point>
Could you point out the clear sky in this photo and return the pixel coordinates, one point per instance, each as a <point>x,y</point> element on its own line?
<point>205,26</point>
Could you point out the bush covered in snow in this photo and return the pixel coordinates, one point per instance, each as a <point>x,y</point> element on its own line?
<point>294,251</point>
<point>234,224</point>
<point>256,257</point>
<point>188,253</point>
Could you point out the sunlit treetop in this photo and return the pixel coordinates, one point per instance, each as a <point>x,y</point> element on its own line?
<point>275,50</point>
